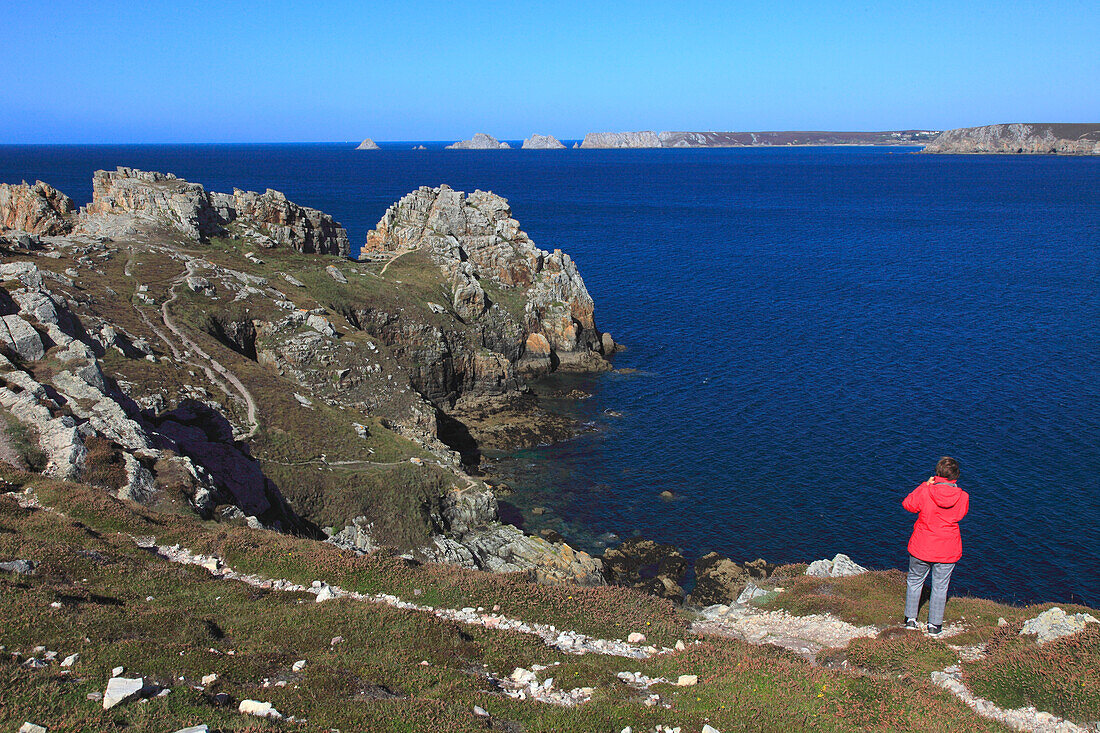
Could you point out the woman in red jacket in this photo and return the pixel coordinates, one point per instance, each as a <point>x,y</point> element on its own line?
<point>935,545</point>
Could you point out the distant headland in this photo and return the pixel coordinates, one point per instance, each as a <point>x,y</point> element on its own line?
<point>1024,137</point>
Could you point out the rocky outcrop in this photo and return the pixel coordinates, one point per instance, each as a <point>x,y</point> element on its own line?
<point>840,566</point>
<point>480,141</point>
<point>646,139</point>
<point>368,144</point>
<point>38,209</point>
<point>648,566</point>
<point>1027,138</point>
<point>542,142</point>
<point>1054,623</point>
<point>128,201</point>
<point>720,580</point>
<point>476,242</point>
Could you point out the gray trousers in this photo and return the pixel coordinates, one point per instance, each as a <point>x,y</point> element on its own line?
<point>941,577</point>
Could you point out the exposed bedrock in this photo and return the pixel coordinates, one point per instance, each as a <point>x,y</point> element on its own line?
<point>126,201</point>
<point>1033,138</point>
<point>38,209</point>
<point>542,142</point>
<point>499,276</point>
<point>480,141</point>
<point>648,566</point>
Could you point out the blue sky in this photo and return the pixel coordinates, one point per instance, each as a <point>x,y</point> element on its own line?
<point>202,71</point>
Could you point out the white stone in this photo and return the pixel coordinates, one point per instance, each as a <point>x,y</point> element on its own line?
<point>117,671</point>
<point>31,728</point>
<point>1054,623</point>
<point>326,594</point>
<point>298,666</point>
<point>635,638</point>
<point>121,689</point>
<point>70,660</point>
<point>481,712</point>
<point>259,709</point>
<point>209,679</point>
<point>195,729</point>
<point>687,680</point>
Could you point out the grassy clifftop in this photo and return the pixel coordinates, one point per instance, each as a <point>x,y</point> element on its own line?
<point>370,666</point>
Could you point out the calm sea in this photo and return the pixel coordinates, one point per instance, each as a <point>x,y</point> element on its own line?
<point>811,328</point>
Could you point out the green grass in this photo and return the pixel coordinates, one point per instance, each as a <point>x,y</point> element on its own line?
<point>1061,676</point>
<point>124,606</point>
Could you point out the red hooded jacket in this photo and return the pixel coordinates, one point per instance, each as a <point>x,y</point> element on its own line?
<point>940,504</point>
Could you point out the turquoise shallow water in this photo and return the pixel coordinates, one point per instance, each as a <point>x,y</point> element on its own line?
<point>812,329</point>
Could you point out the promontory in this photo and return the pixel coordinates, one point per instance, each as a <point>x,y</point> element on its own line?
<point>1022,137</point>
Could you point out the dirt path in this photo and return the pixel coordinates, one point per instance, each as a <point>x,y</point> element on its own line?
<point>229,376</point>
<point>392,260</point>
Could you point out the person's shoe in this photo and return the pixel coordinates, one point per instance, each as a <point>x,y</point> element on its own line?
<point>935,630</point>
<point>911,624</point>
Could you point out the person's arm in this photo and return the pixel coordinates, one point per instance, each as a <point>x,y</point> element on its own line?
<point>963,506</point>
<point>915,500</point>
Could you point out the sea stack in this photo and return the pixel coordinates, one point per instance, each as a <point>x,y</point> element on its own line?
<point>368,144</point>
<point>480,141</point>
<point>1027,138</point>
<point>542,142</point>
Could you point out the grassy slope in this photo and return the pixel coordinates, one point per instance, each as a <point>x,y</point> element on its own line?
<point>161,620</point>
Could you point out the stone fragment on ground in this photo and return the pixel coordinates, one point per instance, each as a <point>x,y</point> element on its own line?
<point>259,709</point>
<point>1054,623</point>
<point>1022,719</point>
<point>195,729</point>
<point>20,567</point>
<point>29,727</point>
<point>121,689</point>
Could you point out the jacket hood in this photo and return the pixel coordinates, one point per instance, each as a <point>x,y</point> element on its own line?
<point>944,492</point>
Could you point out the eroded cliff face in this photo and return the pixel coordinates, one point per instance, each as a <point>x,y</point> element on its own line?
<point>644,139</point>
<point>39,209</point>
<point>126,201</point>
<point>153,352</point>
<point>1026,138</point>
<point>534,303</point>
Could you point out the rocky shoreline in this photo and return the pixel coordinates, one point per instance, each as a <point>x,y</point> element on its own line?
<point>1021,138</point>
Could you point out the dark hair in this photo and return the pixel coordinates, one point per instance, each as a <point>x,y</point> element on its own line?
<point>947,468</point>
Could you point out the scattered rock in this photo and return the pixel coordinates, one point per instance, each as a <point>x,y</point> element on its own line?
<point>31,728</point>
<point>687,680</point>
<point>121,689</point>
<point>326,594</point>
<point>335,274</point>
<point>635,637</point>
<point>70,660</point>
<point>209,679</point>
<point>20,567</point>
<point>298,666</point>
<point>1054,623</point>
<point>259,709</point>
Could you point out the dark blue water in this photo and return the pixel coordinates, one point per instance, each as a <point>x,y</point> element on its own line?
<point>813,328</point>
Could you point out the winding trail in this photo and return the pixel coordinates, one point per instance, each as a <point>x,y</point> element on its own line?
<point>229,376</point>
<point>392,260</point>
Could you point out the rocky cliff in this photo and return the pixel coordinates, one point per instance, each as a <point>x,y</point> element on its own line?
<point>368,144</point>
<point>182,348</point>
<point>646,139</point>
<point>542,142</point>
<point>1033,138</point>
<point>540,312</point>
<point>480,141</point>
<point>125,201</point>
<point>37,209</point>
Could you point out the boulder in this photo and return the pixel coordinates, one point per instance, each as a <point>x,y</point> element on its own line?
<point>717,580</point>
<point>839,566</point>
<point>1054,623</point>
<point>259,709</point>
<point>648,566</point>
<point>121,689</point>
<point>20,336</point>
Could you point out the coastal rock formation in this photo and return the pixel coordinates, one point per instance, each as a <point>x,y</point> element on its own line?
<point>646,139</point>
<point>38,209</point>
<point>126,200</point>
<point>648,566</point>
<point>368,144</point>
<point>487,258</point>
<point>1033,138</point>
<point>480,141</point>
<point>542,142</point>
<point>1054,623</point>
<point>840,566</point>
